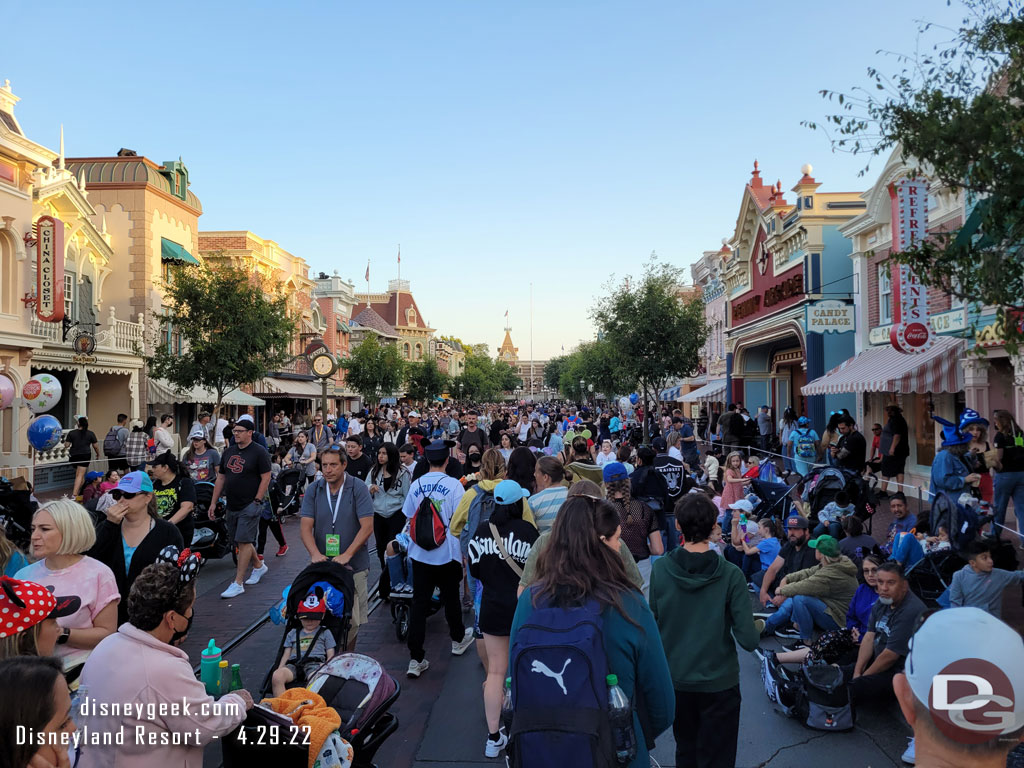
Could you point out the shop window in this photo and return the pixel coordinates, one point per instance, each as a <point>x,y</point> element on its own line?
<point>884,294</point>
<point>69,295</point>
<point>808,203</point>
<point>7,277</point>
<point>170,336</point>
<point>169,269</point>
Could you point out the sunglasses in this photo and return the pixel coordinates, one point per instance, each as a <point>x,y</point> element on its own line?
<point>118,495</point>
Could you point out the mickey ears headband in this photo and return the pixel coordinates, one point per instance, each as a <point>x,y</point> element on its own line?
<point>187,562</point>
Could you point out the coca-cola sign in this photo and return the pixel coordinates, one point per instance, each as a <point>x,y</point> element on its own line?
<point>911,331</point>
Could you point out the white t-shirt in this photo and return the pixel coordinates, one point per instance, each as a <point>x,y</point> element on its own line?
<point>354,427</point>
<point>448,490</point>
<point>218,432</point>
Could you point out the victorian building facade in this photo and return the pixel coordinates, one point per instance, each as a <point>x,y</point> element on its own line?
<point>398,308</point>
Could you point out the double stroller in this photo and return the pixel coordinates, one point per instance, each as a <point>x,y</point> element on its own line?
<point>822,486</point>
<point>16,510</point>
<point>356,686</point>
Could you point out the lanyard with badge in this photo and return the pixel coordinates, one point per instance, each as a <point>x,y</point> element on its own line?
<point>333,540</point>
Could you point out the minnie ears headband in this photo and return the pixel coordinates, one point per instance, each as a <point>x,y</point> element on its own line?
<point>186,561</point>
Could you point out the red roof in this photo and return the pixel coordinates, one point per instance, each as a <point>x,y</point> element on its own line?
<point>404,302</point>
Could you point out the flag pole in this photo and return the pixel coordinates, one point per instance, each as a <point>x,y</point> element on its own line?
<point>399,261</point>
<point>367,283</point>
<point>531,340</point>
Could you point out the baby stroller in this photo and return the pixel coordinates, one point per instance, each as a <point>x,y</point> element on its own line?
<point>400,569</point>
<point>286,491</point>
<point>210,538</point>
<point>822,488</point>
<point>774,498</point>
<point>16,510</point>
<point>337,619</point>
<point>930,576</point>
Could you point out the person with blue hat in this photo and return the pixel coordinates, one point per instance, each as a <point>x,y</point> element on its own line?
<point>497,555</point>
<point>640,529</point>
<point>950,473</point>
<point>973,425</point>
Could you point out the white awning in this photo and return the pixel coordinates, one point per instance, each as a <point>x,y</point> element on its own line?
<point>885,369</point>
<point>162,391</point>
<point>707,392</point>
<point>274,387</point>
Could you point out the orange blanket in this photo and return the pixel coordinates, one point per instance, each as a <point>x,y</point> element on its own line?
<point>307,709</point>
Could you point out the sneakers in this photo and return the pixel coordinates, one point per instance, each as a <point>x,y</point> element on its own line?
<point>787,634</point>
<point>459,647</point>
<point>794,645</point>
<point>282,551</point>
<point>417,668</point>
<point>771,687</point>
<point>401,592</point>
<point>762,614</point>
<point>257,574</point>
<point>234,590</point>
<point>908,754</point>
<point>493,748</point>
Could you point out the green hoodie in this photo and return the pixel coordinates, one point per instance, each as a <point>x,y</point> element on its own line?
<point>701,603</point>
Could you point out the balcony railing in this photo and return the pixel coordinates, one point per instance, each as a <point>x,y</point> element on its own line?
<point>59,453</point>
<point>113,335</point>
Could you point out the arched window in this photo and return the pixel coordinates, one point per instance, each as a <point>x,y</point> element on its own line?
<point>8,279</point>
<point>419,351</point>
<point>411,314</point>
<point>405,350</point>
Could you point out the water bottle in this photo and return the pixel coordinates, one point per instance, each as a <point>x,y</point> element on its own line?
<point>209,668</point>
<point>236,677</point>
<point>620,714</point>
<point>223,678</point>
<point>506,707</point>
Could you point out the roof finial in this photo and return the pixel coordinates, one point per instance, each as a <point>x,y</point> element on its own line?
<point>60,163</point>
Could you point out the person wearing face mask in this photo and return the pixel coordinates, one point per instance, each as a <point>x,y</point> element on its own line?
<point>472,466</point>
<point>141,663</point>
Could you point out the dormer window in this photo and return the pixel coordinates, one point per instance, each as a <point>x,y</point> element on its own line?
<point>411,314</point>
<point>808,203</point>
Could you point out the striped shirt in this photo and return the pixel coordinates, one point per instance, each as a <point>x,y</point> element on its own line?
<point>545,505</point>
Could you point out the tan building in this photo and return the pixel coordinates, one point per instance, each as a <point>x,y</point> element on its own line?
<point>398,308</point>
<point>93,352</point>
<point>293,388</point>
<point>152,219</point>
<point>531,372</point>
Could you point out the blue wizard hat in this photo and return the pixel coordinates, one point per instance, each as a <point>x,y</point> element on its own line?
<point>952,436</point>
<point>971,416</point>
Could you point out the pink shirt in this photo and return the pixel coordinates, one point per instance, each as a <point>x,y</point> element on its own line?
<point>90,581</point>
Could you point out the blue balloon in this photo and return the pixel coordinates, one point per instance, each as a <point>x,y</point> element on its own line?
<point>634,398</point>
<point>44,433</point>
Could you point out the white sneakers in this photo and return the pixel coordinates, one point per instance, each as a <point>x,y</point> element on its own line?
<point>257,574</point>
<point>493,748</point>
<point>417,668</point>
<point>459,648</point>
<point>234,590</point>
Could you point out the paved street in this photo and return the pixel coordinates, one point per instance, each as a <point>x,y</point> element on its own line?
<point>441,713</point>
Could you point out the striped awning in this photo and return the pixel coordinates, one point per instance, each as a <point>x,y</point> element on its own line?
<point>670,395</point>
<point>884,369</point>
<point>707,392</point>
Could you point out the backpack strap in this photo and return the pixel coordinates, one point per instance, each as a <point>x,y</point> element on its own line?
<point>504,552</point>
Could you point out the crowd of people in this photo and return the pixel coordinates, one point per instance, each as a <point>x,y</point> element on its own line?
<point>539,517</point>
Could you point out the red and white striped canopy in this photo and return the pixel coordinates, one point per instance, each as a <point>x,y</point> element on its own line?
<point>884,369</point>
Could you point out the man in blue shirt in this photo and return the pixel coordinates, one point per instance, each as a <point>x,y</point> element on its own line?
<point>902,521</point>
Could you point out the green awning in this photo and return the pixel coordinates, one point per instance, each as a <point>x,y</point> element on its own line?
<point>171,251</point>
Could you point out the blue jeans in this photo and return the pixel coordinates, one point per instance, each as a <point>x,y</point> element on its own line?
<point>1008,485</point>
<point>804,611</point>
<point>835,530</point>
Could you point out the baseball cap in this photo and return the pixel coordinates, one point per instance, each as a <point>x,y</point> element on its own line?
<point>614,471</point>
<point>966,652</point>
<point>197,433</point>
<point>825,544</point>
<point>414,414</point>
<point>438,449</point>
<point>659,444</point>
<point>246,421</point>
<point>23,604</point>
<point>509,492</point>
<point>803,421</point>
<point>312,607</point>
<point>743,506</point>
<point>796,521</point>
<point>94,475</point>
<point>135,482</point>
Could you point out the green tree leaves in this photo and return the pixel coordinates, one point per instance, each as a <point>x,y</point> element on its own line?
<point>234,329</point>
<point>374,370</point>
<point>424,380</point>
<point>485,380</point>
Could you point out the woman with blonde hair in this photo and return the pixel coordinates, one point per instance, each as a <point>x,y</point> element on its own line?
<point>62,531</point>
<point>132,535</point>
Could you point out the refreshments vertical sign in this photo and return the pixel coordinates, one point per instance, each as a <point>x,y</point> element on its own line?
<point>911,330</point>
<point>50,269</point>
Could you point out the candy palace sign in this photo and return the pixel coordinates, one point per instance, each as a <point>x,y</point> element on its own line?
<point>50,269</point>
<point>830,316</point>
<point>911,331</point>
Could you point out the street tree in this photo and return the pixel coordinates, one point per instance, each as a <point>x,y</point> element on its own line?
<point>553,372</point>
<point>374,370</point>
<point>657,335</point>
<point>485,379</point>
<point>424,380</point>
<point>233,328</point>
<point>957,112</point>
<point>598,363</point>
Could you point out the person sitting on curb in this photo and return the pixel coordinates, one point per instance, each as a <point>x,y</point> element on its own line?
<point>979,584</point>
<point>794,556</point>
<point>817,597</point>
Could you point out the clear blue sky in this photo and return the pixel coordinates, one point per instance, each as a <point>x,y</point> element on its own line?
<point>499,142</point>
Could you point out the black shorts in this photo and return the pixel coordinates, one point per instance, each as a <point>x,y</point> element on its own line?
<point>79,459</point>
<point>893,465</point>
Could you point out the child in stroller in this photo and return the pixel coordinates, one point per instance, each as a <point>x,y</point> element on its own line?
<point>286,491</point>
<point>400,570</point>
<point>309,647</point>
